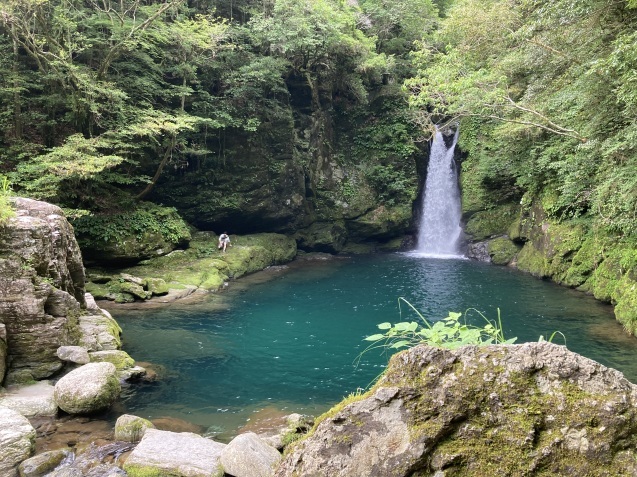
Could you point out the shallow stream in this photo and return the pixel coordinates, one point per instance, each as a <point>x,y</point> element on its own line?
<point>286,340</point>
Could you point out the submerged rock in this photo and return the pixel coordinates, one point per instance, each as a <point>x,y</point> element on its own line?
<point>175,454</point>
<point>17,441</point>
<point>89,388</point>
<point>530,409</point>
<point>249,456</point>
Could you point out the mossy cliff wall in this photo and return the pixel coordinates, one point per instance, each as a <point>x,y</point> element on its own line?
<point>570,252</point>
<point>333,175</point>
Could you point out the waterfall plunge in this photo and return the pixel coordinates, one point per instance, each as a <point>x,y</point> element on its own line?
<point>440,222</point>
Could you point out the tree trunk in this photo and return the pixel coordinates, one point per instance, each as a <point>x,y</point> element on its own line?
<point>162,164</point>
<point>17,101</point>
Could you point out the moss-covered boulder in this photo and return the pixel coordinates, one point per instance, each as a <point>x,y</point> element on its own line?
<point>88,389</point>
<point>121,359</point>
<point>502,250</point>
<point>327,237</point>
<point>531,409</point>
<point>491,222</point>
<point>43,463</point>
<point>382,223</point>
<point>550,245</point>
<point>130,428</point>
<point>144,231</point>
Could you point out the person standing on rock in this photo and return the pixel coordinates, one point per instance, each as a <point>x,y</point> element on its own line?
<point>224,241</point>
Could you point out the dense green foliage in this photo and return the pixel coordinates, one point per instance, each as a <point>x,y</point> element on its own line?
<point>545,93</point>
<point>102,100</point>
<point>6,211</point>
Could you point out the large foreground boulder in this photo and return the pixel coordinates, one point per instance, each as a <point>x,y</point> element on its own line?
<point>89,388</point>
<point>531,409</point>
<point>175,454</point>
<point>17,441</point>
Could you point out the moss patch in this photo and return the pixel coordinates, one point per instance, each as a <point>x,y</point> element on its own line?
<point>502,250</point>
<point>488,223</point>
<point>121,359</point>
<point>202,265</point>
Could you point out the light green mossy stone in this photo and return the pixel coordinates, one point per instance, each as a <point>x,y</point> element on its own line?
<point>130,428</point>
<point>87,389</point>
<point>156,286</point>
<point>121,359</point>
<point>488,223</point>
<point>212,279</point>
<point>604,279</point>
<point>502,250</point>
<point>42,464</point>
<point>625,296</point>
<point>99,291</point>
<point>584,262</point>
<point>130,288</point>
<point>514,229</point>
<point>533,261</point>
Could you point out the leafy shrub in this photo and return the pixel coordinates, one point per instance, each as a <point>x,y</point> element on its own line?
<point>6,211</point>
<point>147,218</point>
<point>451,332</point>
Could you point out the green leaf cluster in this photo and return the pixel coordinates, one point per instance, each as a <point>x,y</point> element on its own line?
<point>6,210</point>
<point>450,332</point>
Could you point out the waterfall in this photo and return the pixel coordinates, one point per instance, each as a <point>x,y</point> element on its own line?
<point>440,221</point>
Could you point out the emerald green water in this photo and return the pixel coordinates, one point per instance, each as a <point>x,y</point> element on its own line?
<point>288,343</point>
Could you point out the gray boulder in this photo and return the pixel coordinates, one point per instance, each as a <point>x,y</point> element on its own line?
<point>42,464</point>
<point>99,331</point>
<point>73,354</point>
<point>130,428</point>
<point>176,454</point>
<point>531,409</point>
<point>41,290</point>
<point>17,441</point>
<point>89,388</point>
<point>248,456</point>
<point>30,400</point>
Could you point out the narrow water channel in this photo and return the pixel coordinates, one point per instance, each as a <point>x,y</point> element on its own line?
<point>288,344</point>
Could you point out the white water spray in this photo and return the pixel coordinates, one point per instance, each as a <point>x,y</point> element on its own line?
<point>440,223</point>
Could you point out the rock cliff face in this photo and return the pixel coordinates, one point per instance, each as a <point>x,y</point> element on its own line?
<point>303,174</point>
<point>532,409</point>
<point>571,253</point>
<point>41,290</point>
